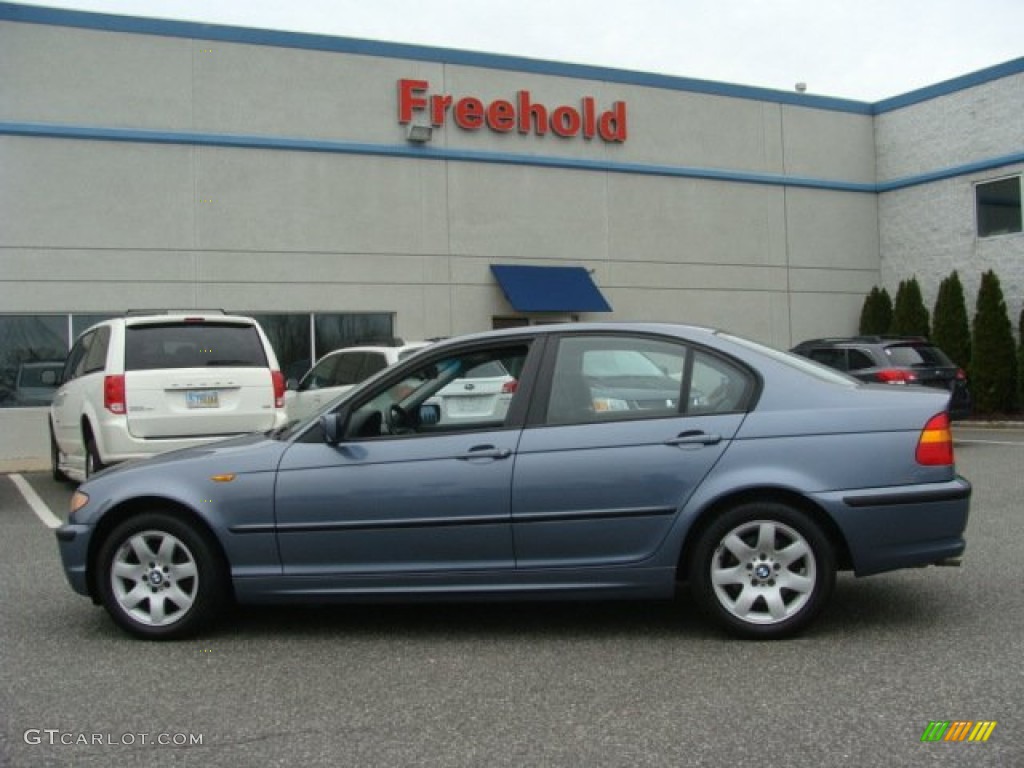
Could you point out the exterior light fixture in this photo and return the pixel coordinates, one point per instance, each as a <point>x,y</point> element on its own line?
<point>420,134</point>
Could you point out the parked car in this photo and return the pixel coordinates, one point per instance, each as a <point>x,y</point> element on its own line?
<point>900,360</point>
<point>36,383</point>
<point>135,386</point>
<point>337,372</point>
<point>756,495</point>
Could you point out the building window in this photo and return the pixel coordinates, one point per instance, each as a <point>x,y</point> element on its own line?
<point>999,208</point>
<point>32,350</point>
<point>33,347</point>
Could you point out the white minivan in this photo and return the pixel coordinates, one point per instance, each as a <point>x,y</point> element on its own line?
<point>139,385</point>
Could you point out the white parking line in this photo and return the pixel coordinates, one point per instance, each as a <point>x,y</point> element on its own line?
<point>42,511</point>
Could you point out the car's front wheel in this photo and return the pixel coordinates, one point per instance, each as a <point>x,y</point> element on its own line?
<point>763,570</point>
<point>159,577</point>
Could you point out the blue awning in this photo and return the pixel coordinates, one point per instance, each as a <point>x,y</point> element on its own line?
<point>549,289</point>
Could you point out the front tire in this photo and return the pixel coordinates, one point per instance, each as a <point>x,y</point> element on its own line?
<point>763,570</point>
<point>160,578</point>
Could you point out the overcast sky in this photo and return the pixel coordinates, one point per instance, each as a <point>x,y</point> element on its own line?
<point>857,49</point>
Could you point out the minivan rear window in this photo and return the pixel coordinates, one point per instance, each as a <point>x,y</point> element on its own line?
<point>193,345</point>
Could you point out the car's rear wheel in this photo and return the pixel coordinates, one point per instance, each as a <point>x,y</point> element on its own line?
<point>763,570</point>
<point>159,577</point>
<point>93,462</point>
<point>55,470</point>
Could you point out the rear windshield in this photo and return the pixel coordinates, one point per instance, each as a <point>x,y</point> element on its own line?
<point>909,355</point>
<point>193,345</point>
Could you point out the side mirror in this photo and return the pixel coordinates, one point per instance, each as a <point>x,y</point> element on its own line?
<point>333,424</point>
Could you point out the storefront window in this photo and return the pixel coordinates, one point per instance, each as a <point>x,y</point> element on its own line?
<point>32,350</point>
<point>33,347</point>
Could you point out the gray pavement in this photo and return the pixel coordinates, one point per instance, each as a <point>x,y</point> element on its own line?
<point>528,685</point>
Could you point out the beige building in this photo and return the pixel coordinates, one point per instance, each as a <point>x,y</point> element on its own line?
<point>342,189</point>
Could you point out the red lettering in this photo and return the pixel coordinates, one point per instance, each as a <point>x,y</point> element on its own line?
<point>589,118</point>
<point>501,116</point>
<point>409,98</point>
<point>565,121</point>
<point>613,123</point>
<point>469,113</point>
<point>438,106</point>
<point>528,111</point>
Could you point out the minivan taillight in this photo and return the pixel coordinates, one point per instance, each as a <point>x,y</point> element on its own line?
<point>114,395</point>
<point>278,378</point>
<point>935,445</point>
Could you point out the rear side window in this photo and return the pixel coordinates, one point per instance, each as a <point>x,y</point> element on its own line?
<point>96,358</point>
<point>193,345</point>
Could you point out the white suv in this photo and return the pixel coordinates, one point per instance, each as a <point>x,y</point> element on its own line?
<point>136,386</point>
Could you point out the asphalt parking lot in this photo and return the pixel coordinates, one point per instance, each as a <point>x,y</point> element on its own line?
<point>525,685</point>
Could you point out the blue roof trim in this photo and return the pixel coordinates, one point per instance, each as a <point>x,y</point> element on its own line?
<point>997,72</point>
<point>951,173</point>
<point>277,38</point>
<point>549,289</point>
<point>188,138</point>
<point>243,141</point>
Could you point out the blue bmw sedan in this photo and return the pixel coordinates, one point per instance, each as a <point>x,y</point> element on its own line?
<point>632,459</point>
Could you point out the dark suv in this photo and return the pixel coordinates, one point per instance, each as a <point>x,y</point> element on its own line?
<point>894,360</point>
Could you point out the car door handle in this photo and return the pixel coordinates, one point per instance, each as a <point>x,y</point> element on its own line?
<point>485,452</point>
<point>694,437</point>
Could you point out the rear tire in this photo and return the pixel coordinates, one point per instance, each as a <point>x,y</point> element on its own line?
<point>93,462</point>
<point>160,578</point>
<point>55,470</point>
<point>763,570</point>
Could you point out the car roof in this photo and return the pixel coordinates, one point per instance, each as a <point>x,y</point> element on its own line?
<point>881,340</point>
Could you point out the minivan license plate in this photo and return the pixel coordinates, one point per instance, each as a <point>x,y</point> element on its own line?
<point>202,398</point>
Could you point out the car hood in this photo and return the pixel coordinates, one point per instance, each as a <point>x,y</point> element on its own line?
<point>250,453</point>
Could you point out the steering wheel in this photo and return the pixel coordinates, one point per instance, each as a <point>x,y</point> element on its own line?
<point>399,421</point>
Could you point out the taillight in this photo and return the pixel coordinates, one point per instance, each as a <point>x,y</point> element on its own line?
<point>935,446</point>
<point>278,378</point>
<point>960,375</point>
<point>509,387</point>
<point>113,394</point>
<point>893,376</point>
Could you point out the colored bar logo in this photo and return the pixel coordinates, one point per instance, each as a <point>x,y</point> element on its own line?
<point>958,730</point>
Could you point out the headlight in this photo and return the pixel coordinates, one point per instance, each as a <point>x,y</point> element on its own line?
<point>78,500</point>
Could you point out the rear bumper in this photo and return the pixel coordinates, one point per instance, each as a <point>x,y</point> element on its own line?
<point>117,444</point>
<point>903,526</point>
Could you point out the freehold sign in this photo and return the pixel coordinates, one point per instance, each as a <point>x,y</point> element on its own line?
<point>521,114</point>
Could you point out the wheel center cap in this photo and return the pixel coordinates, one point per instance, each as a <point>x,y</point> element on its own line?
<point>763,571</point>
<point>156,578</point>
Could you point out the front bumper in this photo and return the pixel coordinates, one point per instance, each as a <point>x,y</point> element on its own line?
<point>73,543</point>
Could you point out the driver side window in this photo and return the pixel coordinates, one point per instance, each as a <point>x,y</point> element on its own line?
<point>466,391</point>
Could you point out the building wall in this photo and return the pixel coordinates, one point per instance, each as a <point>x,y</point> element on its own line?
<point>166,164</point>
<point>272,228</point>
<point>929,229</point>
